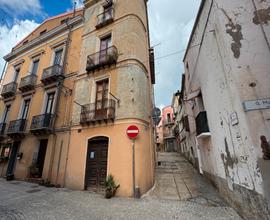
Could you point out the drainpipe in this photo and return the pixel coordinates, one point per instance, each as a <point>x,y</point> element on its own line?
<point>3,71</point>
<point>59,88</point>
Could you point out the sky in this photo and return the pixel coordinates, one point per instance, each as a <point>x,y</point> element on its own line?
<point>171,22</point>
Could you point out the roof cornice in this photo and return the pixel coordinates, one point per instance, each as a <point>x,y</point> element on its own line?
<point>57,30</point>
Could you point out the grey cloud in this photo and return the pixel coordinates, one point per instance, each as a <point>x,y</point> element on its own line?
<point>171,22</point>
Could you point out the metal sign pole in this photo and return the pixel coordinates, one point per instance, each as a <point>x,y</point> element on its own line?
<point>133,168</point>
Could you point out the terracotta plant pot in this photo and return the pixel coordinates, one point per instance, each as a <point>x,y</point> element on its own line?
<point>108,194</point>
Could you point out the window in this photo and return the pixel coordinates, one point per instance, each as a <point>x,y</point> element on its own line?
<point>35,67</point>
<point>25,42</point>
<point>50,102</point>
<point>16,74</point>
<point>58,57</point>
<point>105,43</point>
<point>108,10</point>
<point>64,20</point>
<point>102,93</point>
<point>5,151</point>
<point>169,117</point>
<point>5,115</point>
<point>43,32</point>
<point>25,109</point>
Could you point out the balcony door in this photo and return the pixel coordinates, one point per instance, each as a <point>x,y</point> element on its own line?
<point>4,119</point>
<point>25,109</point>
<point>6,112</point>
<point>16,74</point>
<point>58,57</point>
<point>35,67</point>
<point>102,94</point>
<point>108,10</point>
<point>12,160</point>
<point>105,43</point>
<point>50,103</point>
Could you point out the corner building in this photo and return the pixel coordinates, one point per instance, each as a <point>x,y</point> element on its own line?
<point>105,86</point>
<point>113,90</point>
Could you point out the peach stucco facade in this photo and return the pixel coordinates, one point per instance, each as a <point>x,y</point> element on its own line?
<point>125,84</point>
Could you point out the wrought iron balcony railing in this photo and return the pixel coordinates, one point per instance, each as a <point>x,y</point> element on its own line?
<point>202,123</point>
<point>102,58</point>
<point>2,128</point>
<point>99,111</point>
<point>105,18</point>
<point>42,124</point>
<point>16,127</point>
<point>28,83</point>
<point>9,90</point>
<point>52,74</point>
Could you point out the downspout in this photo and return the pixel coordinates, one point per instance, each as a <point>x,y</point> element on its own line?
<point>3,71</point>
<point>59,88</point>
<point>68,146</point>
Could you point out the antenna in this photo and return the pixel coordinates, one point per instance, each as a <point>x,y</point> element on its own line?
<point>74,9</point>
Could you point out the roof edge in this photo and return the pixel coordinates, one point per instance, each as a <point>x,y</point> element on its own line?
<point>49,19</point>
<point>194,26</point>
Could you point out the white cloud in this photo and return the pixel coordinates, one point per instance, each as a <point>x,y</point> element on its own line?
<point>170,25</point>
<point>79,4</point>
<point>18,7</point>
<point>9,37</point>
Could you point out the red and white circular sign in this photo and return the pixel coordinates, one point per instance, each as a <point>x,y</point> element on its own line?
<point>132,132</point>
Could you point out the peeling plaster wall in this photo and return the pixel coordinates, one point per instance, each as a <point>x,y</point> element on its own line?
<point>232,66</point>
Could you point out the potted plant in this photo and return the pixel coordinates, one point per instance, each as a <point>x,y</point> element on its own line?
<point>34,171</point>
<point>111,187</point>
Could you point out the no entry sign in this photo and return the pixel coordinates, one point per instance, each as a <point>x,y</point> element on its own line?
<point>132,132</point>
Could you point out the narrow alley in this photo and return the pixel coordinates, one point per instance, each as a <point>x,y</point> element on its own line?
<point>176,179</point>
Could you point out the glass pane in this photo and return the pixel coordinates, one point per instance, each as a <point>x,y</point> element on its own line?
<point>99,96</point>
<point>58,57</point>
<point>35,67</point>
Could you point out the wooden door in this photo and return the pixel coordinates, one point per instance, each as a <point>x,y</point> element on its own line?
<point>41,155</point>
<point>12,158</point>
<point>96,163</point>
<point>102,99</point>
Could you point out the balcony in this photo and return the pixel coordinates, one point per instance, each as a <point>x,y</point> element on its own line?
<point>9,90</point>
<point>102,59</point>
<point>52,74</point>
<point>28,83</point>
<point>105,18</point>
<point>202,127</point>
<point>42,124</point>
<point>98,112</point>
<point>16,129</point>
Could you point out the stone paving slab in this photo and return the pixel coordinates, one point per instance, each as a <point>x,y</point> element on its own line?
<point>63,204</point>
<point>180,193</point>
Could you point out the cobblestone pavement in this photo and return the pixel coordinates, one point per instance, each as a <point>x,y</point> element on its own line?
<point>20,200</point>
<point>176,179</point>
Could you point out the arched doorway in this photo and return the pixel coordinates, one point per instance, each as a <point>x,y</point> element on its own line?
<point>96,162</point>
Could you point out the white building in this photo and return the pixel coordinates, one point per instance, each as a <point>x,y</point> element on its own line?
<point>227,100</point>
